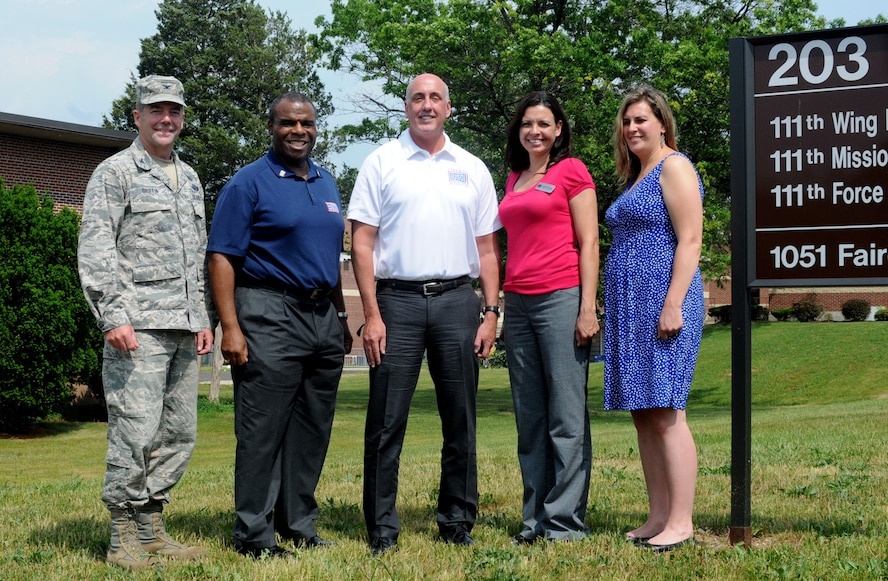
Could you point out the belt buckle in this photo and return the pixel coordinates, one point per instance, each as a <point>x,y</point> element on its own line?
<point>427,292</point>
<point>316,294</point>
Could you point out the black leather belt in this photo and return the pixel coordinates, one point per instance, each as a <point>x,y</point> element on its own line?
<point>314,294</point>
<point>424,287</point>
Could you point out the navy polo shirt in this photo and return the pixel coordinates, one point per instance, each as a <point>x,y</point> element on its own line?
<point>287,229</point>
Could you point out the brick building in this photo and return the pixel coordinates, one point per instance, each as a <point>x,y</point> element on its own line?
<point>56,158</point>
<point>831,298</point>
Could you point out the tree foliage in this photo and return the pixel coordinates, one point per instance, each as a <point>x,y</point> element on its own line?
<point>586,52</point>
<point>48,337</point>
<point>233,60</point>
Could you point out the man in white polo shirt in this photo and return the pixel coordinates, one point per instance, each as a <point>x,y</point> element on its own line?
<point>424,222</point>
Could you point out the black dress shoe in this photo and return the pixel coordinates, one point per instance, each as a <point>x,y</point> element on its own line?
<point>459,536</point>
<point>669,547</point>
<point>274,552</point>
<point>311,543</point>
<point>382,545</point>
<point>520,539</point>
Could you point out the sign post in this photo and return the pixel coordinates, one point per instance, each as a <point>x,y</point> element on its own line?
<point>809,187</point>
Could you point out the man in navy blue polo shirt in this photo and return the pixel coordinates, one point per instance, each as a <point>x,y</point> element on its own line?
<point>274,269</point>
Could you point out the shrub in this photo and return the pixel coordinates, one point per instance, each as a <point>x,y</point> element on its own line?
<point>782,314</point>
<point>48,337</point>
<point>498,359</point>
<point>881,314</point>
<point>722,313</point>
<point>806,311</point>
<point>760,313</point>
<point>856,309</point>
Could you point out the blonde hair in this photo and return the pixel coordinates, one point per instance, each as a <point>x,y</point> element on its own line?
<point>627,164</point>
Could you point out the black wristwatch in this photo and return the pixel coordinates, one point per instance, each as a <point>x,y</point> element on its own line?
<point>491,309</point>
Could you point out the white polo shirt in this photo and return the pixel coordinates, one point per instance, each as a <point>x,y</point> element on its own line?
<point>428,208</point>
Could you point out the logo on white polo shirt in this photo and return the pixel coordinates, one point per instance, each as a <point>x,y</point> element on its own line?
<point>458,176</point>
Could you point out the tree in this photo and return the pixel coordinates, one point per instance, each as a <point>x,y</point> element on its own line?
<point>586,52</point>
<point>48,337</point>
<point>233,60</point>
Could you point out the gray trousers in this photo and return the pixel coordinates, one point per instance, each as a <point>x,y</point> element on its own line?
<point>549,376</point>
<point>444,327</point>
<point>284,399</point>
<point>151,395</point>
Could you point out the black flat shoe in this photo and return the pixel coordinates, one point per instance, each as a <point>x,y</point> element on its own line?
<point>275,552</point>
<point>669,547</point>
<point>383,545</point>
<point>520,539</point>
<point>313,542</point>
<point>637,540</point>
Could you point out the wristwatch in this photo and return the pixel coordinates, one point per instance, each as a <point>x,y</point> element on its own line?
<point>491,309</point>
<point>342,314</point>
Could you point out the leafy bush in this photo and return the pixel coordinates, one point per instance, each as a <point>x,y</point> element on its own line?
<point>722,313</point>
<point>782,314</point>
<point>760,313</point>
<point>498,359</point>
<point>856,309</point>
<point>806,311</point>
<point>48,337</point>
<point>881,314</point>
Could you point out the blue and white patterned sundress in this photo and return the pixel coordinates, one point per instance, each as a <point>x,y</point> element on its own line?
<point>640,370</point>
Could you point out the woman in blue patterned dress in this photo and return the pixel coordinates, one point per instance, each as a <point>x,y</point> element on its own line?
<point>654,309</point>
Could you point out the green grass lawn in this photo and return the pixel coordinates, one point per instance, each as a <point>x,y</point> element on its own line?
<point>819,491</point>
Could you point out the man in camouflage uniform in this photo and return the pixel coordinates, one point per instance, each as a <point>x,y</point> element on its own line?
<point>141,262</point>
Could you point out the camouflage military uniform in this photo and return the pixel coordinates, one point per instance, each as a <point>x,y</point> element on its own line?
<point>141,262</point>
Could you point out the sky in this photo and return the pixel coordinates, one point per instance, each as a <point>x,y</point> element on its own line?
<point>68,60</point>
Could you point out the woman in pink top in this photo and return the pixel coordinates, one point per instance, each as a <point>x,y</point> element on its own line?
<point>550,214</point>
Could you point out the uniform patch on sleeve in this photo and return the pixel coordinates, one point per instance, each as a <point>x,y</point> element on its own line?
<point>457,176</point>
<point>332,207</point>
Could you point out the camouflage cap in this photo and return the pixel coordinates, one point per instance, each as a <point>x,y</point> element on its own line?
<point>154,89</point>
